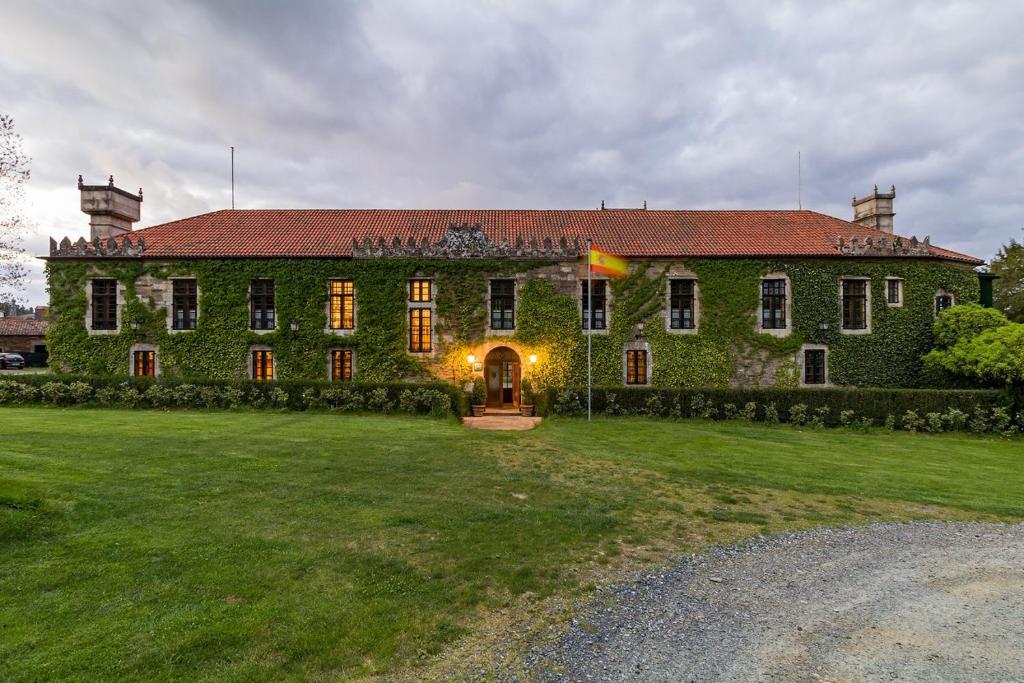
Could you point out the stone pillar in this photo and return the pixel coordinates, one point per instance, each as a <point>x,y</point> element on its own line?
<point>875,210</point>
<point>111,210</point>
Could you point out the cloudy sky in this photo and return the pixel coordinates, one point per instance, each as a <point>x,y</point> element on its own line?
<point>523,104</point>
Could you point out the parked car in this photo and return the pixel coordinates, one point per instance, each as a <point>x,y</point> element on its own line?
<point>11,361</point>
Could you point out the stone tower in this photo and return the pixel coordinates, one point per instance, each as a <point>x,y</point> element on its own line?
<point>875,210</point>
<point>111,210</point>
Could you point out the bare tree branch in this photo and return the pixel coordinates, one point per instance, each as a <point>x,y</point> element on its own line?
<point>14,173</point>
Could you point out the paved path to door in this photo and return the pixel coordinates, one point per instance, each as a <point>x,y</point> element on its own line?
<point>508,422</point>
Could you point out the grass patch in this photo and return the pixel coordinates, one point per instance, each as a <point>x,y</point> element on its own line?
<point>269,546</point>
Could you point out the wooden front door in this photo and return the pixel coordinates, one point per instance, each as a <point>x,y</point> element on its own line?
<point>502,373</point>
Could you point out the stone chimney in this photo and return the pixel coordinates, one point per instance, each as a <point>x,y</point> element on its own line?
<point>111,210</point>
<point>875,210</point>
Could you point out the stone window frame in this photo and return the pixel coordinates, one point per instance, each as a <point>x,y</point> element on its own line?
<point>942,292</point>
<point>248,313</point>
<point>902,287</point>
<point>775,332</point>
<point>636,345</point>
<point>491,332</point>
<point>330,367</point>
<point>169,303</point>
<point>339,332</point>
<point>120,292</point>
<point>143,347</point>
<point>608,300</point>
<point>682,274</point>
<point>800,362</point>
<point>248,360</point>
<point>868,322</point>
<point>409,305</point>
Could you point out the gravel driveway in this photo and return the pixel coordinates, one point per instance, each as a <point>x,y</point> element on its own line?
<point>922,601</point>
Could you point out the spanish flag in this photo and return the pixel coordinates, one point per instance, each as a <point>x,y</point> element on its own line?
<point>607,264</point>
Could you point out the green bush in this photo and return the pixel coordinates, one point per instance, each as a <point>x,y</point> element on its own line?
<point>479,395</point>
<point>965,322</point>
<point>433,398</point>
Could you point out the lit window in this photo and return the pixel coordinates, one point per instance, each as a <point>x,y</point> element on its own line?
<point>184,308</point>
<point>855,304</point>
<point>942,302</point>
<point>343,298</point>
<point>419,291</point>
<point>263,365</point>
<point>773,304</point>
<point>598,319</point>
<point>503,299</point>
<point>145,364</point>
<point>261,297</point>
<point>104,304</point>
<point>419,330</point>
<point>814,366</point>
<point>341,365</point>
<point>636,367</point>
<point>681,305</point>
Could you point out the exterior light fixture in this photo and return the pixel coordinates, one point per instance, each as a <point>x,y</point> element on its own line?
<point>136,323</point>
<point>471,359</point>
<point>294,325</point>
<point>533,358</point>
<point>823,325</point>
<point>639,330</point>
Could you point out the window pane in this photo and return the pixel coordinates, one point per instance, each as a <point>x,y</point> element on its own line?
<point>893,291</point>
<point>342,305</point>
<point>854,304</point>
<point>104,304</point>
<point>341,365</point>
<point>773,304</point>
<point>262,304</point>
<point>681,305</point>
<point>598,317</point>
<point>184,305</point>
<point>419,291</point>
<point>814,366</point>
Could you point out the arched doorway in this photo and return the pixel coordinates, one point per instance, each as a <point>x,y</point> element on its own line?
<point>501,373</point>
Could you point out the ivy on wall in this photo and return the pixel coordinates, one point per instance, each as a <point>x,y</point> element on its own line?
<point>546,320</point>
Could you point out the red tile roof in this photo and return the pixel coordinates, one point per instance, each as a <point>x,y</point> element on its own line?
<point>629,232</point>
<point>13,327</point>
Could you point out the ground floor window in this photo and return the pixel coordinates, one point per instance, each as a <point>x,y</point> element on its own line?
<point>341,365</point>
<point>942,302</point>
<point>144,363</point>
<point>814,366</point>
<point>636,367</point>
<point>263,365</point>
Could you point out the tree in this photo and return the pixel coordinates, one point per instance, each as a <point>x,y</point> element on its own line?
<point>980,344</point>
<point>1008,289</point>
<point>14,173</point>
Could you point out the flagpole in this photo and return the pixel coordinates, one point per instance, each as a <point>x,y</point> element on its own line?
<point>590,322</point>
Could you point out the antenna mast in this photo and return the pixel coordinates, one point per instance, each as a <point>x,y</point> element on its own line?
<point>232,176</point>
<point>799,182</point>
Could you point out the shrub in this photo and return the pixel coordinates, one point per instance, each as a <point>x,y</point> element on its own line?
<point>965,322</point>
<point>933,423</point>
<point>820,416</point>
<point>729,411</point>
<point>846,417</point>
<point>568,403</point>
<point>749,411</point>
<point>911,421</point>
<point>654,407</point>
<point>526,391</point>
<point>479,395</point>
<point>771,414</point>
<point>798,414</point>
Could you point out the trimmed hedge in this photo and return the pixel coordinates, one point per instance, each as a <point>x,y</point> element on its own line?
<point>434,398</point>
<point>828,407</point>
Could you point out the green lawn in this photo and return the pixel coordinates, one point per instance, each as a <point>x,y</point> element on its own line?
<point>261,546</point>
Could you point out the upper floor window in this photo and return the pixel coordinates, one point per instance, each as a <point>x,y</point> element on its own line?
<point>184,305</point>
<point>341,365</point>
<point>261,304</point>
<point>894,291</point>
<point>855,304</point>
<point>503,302</point>
<point>263,365</point>
<point>597,318</point>
<point>104,304</point>
<point>343,305</point>
<point>942,302</point>
<point>681,309</point>
<point>773,304</point>
<point>144,364</point>
<point>814,366</point>
<point>636,366</point>
<point>419,291</point>
<point>420,330</point>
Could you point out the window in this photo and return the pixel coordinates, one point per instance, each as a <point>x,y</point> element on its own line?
<point>419,330</point>
<point>104,305</point>
<point>419,291</point>
<point>636,367</point>
<point>773,304</point>
<point>855,304</point>
<point>942,302</point>
<point>343,301</point>
<point>681,315</point>
<point>263,365</point>
<point>814,366</point>
<point>341,365</point>
<point>503,301</point>
<point>261,296</point>
<point>894,291</point>
<point>598,319</point>
<point>184,308</point>
<point>145,364</point>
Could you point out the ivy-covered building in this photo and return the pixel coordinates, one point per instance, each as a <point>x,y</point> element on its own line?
<point>713,298</point>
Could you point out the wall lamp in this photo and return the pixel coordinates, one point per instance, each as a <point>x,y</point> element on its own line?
<point>136,323</point>
<point>533,359</point>
<point>824,325</point>
<point>294,325</point>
